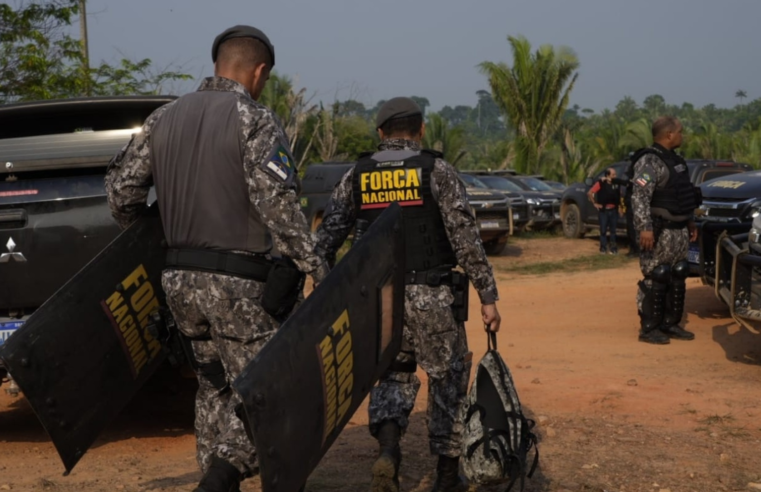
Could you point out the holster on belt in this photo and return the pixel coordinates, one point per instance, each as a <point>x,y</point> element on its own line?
<point>281,292</point>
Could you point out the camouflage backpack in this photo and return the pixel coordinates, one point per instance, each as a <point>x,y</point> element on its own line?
<point>497,437</point>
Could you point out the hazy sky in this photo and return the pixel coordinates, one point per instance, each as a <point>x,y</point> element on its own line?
<point>701,51</point>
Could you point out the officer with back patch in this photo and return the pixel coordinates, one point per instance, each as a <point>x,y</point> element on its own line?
<point>226,190</point>
<point>441,233</point>
<point>664,200</point>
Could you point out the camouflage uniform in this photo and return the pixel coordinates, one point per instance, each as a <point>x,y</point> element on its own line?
<point>223,312</point>
<point>671,245</point>
<point>432,337</point>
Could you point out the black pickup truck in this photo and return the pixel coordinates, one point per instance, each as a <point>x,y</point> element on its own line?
<point>493,211</point>
<point>54,217</point>
<point>730,203</point>
<point>579,215</point>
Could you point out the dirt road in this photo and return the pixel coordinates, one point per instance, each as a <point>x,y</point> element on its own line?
<point>616,415</point>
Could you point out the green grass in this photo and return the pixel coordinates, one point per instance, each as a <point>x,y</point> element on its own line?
<point>582,263</point>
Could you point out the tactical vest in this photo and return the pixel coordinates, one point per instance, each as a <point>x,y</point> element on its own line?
<point>199,176</point>
<point>679,196</point>
<point>608,193</point>
<point>377,184</point>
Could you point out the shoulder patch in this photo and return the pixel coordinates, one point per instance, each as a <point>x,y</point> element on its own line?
<point>280,163</point>
<point>643,179</point>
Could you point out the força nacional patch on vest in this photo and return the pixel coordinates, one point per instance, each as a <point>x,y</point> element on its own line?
<point>380,188</point>
<point>280,163</point>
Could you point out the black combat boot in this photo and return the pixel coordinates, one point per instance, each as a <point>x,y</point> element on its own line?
<point>386,467</point>
<point>448,476</point>
<point>675,303</point>
<point>221,477</point>
<point>651,315</point>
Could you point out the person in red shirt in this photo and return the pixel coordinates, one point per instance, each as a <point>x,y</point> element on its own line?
<point>606,198</point>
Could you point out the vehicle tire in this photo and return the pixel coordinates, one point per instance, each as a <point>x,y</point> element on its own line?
<point>495,247</point>
<point>573,225</point>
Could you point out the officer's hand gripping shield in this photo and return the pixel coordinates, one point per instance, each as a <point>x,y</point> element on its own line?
<point>306,383</point>
<point>82,355</point>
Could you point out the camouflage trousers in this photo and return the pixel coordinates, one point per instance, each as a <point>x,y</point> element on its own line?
<point>438,343</point>
<point>224,317</point>
<point>670,248</point>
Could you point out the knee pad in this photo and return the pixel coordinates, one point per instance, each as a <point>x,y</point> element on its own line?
<point>661,274</point>
<point>681,270</point>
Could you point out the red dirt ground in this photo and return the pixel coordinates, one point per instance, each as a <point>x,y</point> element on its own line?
<point>615,414</point>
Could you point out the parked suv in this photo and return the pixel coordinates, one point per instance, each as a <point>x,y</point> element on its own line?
<point>54,217</point>
<point>542,207</point>
<point>518,204</point>
<point>730,203</point>
<point>493,213</point>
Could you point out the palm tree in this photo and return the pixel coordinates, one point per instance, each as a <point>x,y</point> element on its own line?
<point>533,95</point>
<point>637,135</point>
<point>741,94</point>
<point>448,141</point>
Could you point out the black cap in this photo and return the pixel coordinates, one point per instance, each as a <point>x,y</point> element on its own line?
<point>242,32</point>
<point>398,107</point>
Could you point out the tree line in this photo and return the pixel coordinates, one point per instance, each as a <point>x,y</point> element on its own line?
<point>522,119</point>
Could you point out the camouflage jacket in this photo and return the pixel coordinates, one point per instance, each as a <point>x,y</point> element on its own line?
<point>459,221</point>
<point>130,177</point>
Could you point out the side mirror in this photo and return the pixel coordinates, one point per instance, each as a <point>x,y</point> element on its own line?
<point>589,181</point>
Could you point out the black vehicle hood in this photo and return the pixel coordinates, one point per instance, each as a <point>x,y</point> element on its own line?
<point>483,194</point>
<point>740,186</point>
<point>540,195</point>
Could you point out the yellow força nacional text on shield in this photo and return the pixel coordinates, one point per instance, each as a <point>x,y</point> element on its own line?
<point>380,188</point>
<point>336,356</point>
<point>128,309</point>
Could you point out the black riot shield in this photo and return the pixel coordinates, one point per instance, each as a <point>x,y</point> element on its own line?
<point>84,353</point>
<point>305,384</point>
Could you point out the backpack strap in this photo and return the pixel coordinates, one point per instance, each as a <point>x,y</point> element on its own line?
<point>491,340</point>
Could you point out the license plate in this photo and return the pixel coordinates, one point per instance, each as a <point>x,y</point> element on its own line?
<point>693,255</point>
<point>490,224</point>
<point>7,329</point>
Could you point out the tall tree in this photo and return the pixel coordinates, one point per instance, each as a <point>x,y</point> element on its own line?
<point>533,95</point>
<point>40,60</point>
<point>449,141</point>
<point>741,94</point>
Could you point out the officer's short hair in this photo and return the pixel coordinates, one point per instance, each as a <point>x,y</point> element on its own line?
<point>405,126</point>
<point>663,125</point>
<point>244,53</point>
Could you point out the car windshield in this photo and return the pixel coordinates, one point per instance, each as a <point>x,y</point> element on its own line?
<point>472,181</point>
<point>502,184</point>
<point>536,184</point>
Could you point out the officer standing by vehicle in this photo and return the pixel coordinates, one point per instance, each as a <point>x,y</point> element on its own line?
<point>664,200</point>
<point>605,195</point>
<point>441,232</point>
<point>226,189</point>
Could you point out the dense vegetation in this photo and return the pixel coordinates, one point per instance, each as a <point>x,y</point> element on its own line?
<point>523,121</point>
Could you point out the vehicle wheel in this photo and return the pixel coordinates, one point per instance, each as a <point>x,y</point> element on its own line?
<point>573,226</point>
<point>495,247</point>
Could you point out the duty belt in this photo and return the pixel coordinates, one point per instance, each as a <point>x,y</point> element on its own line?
<point>434,278</point>
<point>235,264</point>
<point>664,223</point>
